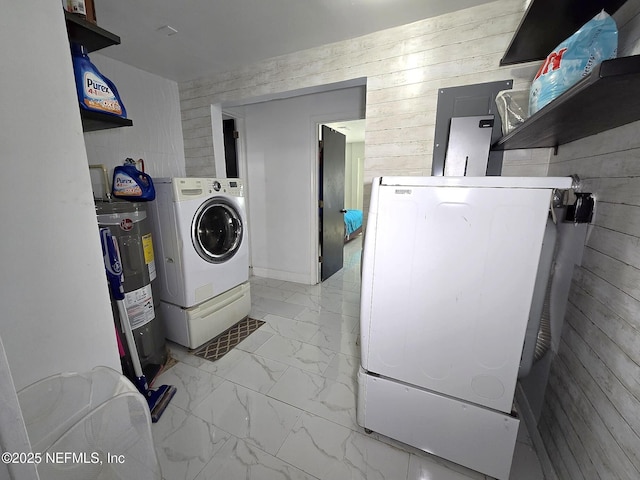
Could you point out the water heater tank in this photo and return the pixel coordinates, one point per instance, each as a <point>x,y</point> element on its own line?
<point>130,225</point>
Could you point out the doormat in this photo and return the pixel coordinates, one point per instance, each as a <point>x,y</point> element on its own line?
<point>227,340</point>
<point>171,361</point>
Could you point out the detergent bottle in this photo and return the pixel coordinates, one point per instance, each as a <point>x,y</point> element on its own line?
<point>130,183</point>
<point>95,91</point>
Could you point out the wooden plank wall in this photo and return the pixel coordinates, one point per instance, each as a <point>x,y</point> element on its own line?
<point>591,417</point>
<point>404,67</point>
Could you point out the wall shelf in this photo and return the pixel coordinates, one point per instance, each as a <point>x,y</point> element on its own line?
<point>607,98</point>
<point>92,121</point>
<point>93,38</point>
<point>546,23</point>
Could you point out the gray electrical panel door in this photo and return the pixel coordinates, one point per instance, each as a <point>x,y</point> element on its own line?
<point>468,148</point>
<point>467,101</point>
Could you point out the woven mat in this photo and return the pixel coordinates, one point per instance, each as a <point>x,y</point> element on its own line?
<point>227,340</point>
<point>171,361</point>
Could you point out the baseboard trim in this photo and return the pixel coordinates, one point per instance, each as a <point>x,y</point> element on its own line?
<point>282,275</point>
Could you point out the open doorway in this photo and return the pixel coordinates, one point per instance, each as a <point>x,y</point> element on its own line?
<point>230,137</point>
<point>278,162</point>
<point>340,191</point>
<point>353,130</point>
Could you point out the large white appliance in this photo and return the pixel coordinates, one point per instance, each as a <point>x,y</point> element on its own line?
<point>448,272</point>
<point>203,264</point>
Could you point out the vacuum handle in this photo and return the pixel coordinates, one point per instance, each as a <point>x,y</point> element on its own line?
<point>112,264</point>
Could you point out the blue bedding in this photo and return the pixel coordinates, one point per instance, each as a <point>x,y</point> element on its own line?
<point>352,221</point>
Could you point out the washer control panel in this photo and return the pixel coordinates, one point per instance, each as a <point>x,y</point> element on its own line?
<point>194,187</point>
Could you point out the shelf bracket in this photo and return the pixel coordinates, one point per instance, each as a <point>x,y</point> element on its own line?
<point>555,150</point>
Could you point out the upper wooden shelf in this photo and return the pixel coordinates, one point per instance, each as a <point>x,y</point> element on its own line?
<point>546,23</point>
<point>607,98</point>
<point>91,36</point>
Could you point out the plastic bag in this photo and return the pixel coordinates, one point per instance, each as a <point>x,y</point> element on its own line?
<point>513,107</point>
<point>573,59</point>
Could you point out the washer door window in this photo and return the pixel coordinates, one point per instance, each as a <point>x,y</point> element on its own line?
<point>216,231</point>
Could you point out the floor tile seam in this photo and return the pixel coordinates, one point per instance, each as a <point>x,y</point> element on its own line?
<point>297,366</point>
<point>333,352</point>
<point>231,437</point>
<point>334,328</point>
<point>257,391</point>
<point>254,354</point>
<point>194,407</point>
<point>343,313</point>
<point>359,431</point>
<point>263,281</point>
<point>199,368</point>
<point>276,455</point>
<point>330,289</point>
<point>299,303</point>
<point>306,403</point>
<point>301,322</point>
<point>426,456</point>
<point>298,412</point>
<point>182,409</point>
<point>204,362</point>
<point>256,296</point>
<point>308,310</point>
<point>277,298</point>
<point>309,341</point>
<point>309,294</point>
<point>269,395</point>
<point>291,431</point>
<point>332,379</point>
<point>217,450</point>
<point>266,395</point>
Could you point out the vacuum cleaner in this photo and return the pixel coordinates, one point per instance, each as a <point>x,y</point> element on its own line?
<point>158,398</point>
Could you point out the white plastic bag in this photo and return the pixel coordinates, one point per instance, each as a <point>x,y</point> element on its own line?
<point>513,107</point>
<point>573,59</point>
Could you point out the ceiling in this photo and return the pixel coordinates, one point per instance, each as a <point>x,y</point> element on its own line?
<point>187,39</point>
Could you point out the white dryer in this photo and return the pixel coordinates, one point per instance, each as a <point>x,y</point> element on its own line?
<point>448,273</point>
<point>203,264</point>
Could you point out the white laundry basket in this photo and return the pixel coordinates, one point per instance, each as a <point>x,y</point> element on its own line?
<point>89,426</point>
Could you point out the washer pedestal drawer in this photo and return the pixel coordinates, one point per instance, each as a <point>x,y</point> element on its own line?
<point>192,327</point>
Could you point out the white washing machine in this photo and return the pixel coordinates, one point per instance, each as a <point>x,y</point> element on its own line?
<point>203,264</point>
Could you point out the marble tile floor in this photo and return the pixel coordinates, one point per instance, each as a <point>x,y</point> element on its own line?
<point>282,404</point>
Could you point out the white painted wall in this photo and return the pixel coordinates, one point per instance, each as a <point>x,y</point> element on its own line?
<point>281,154</point>
<point>56,314</point>
<point>153,104</point>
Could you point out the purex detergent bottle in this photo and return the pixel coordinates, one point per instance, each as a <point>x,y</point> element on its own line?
<point>95,91</point>
<point>130,183</point>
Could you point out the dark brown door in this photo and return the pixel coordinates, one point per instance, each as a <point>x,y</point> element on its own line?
<point>332,153</point>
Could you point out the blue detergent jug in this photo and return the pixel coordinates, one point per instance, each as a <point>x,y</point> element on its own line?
<point>95,91</point>
<point>130,183</point>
